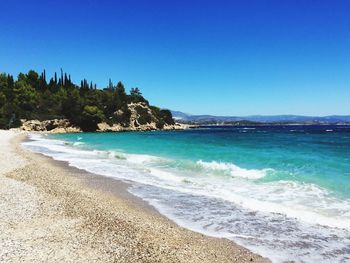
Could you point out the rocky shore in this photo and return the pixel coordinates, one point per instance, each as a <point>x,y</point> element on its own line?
<point>53,213</point>
<point>65,126</point>
<point>135,123</point>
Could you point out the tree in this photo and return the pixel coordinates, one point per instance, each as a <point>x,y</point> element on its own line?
<point>32,79</point>
<point>3,82</point>
<point>136,96</point>
<point>71,106</point>
<point>121,91</point>
<point>135,92</point>
<point>2,99</point>
<point>61,78</point>
<point>110,85</point>
<point>66,82</point>
<point>91,116</point>
<point>30,97</point>
<point>166,116</point>
<point>44,76</point>
<point>26,100</point>
<point>42,81</point>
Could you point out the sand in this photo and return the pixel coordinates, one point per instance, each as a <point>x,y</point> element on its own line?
<point>51,212</point>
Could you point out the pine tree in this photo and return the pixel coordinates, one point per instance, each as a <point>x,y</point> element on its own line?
<point>42,81</point>
<point>135,91</point>
<point>65,80</point>
<point>110,85</point>
<point>62,83</point>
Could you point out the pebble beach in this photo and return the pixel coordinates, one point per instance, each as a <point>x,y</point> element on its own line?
<point>51,212</point>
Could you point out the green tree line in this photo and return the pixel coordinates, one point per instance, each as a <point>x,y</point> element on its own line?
<point>32,96</point>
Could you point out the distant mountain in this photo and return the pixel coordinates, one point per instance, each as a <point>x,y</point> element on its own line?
<point>184,117</point>
<point>178,115</point>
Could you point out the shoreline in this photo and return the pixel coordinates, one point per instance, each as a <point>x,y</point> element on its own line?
<point>109,222</point>
<point>115,187</point>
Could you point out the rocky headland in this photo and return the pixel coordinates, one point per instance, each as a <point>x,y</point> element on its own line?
<point>142,118</point>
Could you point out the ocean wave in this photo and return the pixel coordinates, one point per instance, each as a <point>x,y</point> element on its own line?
<point>281,238</point>
<point>142,158</point>
<point>304,201</point>
<point>165,175</point>
<point>255,213</point>
<point>234,170</point>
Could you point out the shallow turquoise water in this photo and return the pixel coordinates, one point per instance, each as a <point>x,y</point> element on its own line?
<point>295,153</point>
<point>283,192</point>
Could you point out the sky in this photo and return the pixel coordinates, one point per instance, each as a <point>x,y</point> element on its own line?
<point>217,57</point>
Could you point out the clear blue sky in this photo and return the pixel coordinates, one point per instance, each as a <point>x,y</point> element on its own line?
<point>219,57</point>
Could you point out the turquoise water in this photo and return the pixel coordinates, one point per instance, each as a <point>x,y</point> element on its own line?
<point>283,192</point>
<point>318,157</point>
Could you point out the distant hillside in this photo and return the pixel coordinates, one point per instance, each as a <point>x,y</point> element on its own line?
<point>179,115</point>
<point>206,119</point>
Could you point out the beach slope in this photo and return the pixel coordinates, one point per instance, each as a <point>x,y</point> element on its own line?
<point>53,213</point>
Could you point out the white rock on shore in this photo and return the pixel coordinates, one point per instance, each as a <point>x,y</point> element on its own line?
<point>53,126</point>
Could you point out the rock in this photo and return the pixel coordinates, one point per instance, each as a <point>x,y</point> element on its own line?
<point>31,125</point>
<point>134,124</point>
<point>177,126</point>
<point>119,113</point>
<point>53,126</point>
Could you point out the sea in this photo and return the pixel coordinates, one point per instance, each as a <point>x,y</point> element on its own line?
<point>280,191</point>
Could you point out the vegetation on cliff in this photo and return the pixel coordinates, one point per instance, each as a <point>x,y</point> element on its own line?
<point>32,96</point>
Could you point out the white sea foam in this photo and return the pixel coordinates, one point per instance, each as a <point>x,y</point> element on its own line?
<point>297,220</point>
<point>78,143</point>
<point>234,170</point>
<point>141,158</point>
<point>164,175</point>
<point>270,234</point>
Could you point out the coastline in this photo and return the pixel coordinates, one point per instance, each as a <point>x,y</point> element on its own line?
<point>105,221</point>
<point>65,126</point>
